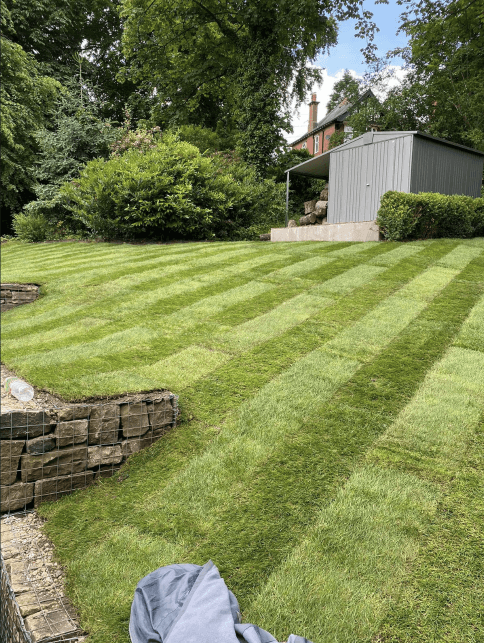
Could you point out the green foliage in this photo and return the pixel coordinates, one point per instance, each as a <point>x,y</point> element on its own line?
<point>429,215</point>
<point>171,191</point>
<point>26,100</point>
<point>33,227</point>
<point>348,87</point>
<point>76,135</point>
<point>248,60</point>
<point>205,138</point>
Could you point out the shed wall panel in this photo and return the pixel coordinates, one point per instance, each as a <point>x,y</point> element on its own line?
<point>444,169</point>
<point>361,174</point>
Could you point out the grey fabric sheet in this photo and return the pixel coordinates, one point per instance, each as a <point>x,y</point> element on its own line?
<point>191,604</point>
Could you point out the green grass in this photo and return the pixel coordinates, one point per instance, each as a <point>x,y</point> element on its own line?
<point>330,454</point>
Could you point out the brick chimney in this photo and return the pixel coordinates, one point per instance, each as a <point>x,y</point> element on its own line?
<point>313,113</point>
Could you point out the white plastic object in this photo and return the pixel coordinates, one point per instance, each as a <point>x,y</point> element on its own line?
<point>19,389</point>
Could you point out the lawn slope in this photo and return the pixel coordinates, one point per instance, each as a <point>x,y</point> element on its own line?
<point>330,455</point>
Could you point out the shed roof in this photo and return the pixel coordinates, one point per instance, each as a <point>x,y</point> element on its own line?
<point>318,166</point>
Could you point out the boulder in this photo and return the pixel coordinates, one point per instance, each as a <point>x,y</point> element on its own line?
<point>291,224</point>
<point>61,462</point>
<point>69,414</point>
<point>104,424</point>
<point>53,488</point>
<point>23,424</point>
<point>265,237</point>
<point>104,455</point>
<point>161,413</point>
<point>42,444</point>
<point>134,419</point>
<point>309,207</point>
<point>16,496</point>
<point>9,458</point>
<point>69,433</point>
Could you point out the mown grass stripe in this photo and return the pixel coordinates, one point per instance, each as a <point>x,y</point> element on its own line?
<point>472,333</point>
<point>459,257</point>
<point>400,253</point>
<point>99,303</point>
<point>354,248</point>
<point>344,574</point>
<point>185,367</point>
<point>349,280</point>
<point>279,319</point>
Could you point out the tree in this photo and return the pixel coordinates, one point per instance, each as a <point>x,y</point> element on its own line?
<point>445,61</point>
<point>210,58</point>
<point>26,100</point>
<point>348,87</point>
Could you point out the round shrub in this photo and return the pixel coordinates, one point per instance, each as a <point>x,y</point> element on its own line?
<point>169,191</point>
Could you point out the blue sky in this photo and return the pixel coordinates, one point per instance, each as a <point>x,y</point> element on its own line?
<point>347,55</point>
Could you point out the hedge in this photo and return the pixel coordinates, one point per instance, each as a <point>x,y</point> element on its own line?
<point>429,215</point>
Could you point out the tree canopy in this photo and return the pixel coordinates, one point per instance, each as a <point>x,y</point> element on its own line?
<point>347,87</point>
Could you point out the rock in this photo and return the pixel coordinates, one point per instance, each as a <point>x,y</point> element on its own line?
<point>160,413</point>
<point>32,602</point>
<point>105,471</point>
<point>9,459</point>
<point>48,465</point>
<point>323,196</point>
<point>23,297</point>
<point>53,488</point>
<point>321,208</point>
<point>39,445</point>
<point>69,433</point>
<point>16,496</point>
<point>265,237</point>
<point>291,224</point>
<point>309,207</point>
<point>104,455</point>
<point>325,220</point>
<point>104,424</point>
<point>74,413</point>
<point>19,579</point>
<point>50,625</point>
<point>134,419</point>
<point>129,447</point>
<point>21,425</point>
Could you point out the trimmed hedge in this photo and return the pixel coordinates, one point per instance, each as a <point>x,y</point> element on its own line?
<point>429,215</point>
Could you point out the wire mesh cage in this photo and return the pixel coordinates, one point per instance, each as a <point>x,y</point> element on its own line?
<point>46,454</point>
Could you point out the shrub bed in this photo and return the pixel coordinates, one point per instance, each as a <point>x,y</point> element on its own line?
<point>429,215</point>
<point>172,190</point>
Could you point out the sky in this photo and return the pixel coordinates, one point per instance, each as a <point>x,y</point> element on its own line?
<point>347,55</point>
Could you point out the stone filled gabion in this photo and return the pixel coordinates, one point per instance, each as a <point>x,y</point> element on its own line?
<point>13,295</point>
<point>51,452</point>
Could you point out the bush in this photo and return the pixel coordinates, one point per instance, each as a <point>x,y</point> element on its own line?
<point>172,191</point>
<point>429,216</point>
<point>32,227</point>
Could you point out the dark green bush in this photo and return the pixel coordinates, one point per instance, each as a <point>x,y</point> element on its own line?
<point>429,215</point>
<point>172,191</point>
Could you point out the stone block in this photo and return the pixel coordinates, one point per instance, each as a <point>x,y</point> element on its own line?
<point>50,625</point>
<point>104,424</point>
<point>309,207</point>
<point>19,580</point>
<point>104,455</point>
<point>42,444</point>
<point>32,602</point>
<point>80,412</point>
<point>23,424</point>
<point>9,459</point>
<point>16,496</point>
<point>53,488</point>
<point>69,433</point>
<point>134,419</point>
<point>106,471</point>
<point>61,462</point>
<point>6,294</point>
<point>161,413</point>
<point>19,297</point>
<point>321,208</point>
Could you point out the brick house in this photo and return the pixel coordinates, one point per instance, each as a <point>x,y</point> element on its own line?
<point>316,141</point>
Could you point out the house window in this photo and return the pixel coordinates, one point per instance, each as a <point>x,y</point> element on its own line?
<point>348,135</point>
<point>304,146</point>
<point>316,144</point>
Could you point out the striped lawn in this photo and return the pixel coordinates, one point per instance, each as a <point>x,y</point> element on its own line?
<point>330,394</point>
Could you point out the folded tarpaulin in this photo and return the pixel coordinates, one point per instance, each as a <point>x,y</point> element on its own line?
<point>191,604</point>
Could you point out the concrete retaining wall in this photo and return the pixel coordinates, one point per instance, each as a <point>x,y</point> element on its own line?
<point>358,231</point>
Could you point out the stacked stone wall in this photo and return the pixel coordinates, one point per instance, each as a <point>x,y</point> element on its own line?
<point>48,453</point>
<point>13,295</point>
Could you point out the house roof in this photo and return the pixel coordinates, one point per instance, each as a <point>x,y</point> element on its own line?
<point>338,114</point>
<point>318,166</point>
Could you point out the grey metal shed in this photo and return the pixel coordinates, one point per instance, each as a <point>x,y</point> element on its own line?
<point>360,171</point>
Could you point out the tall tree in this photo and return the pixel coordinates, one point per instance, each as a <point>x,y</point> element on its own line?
<point>347,87</point>
<point>207,58</point>
<point>27,97</point>
<point>445,60</point>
